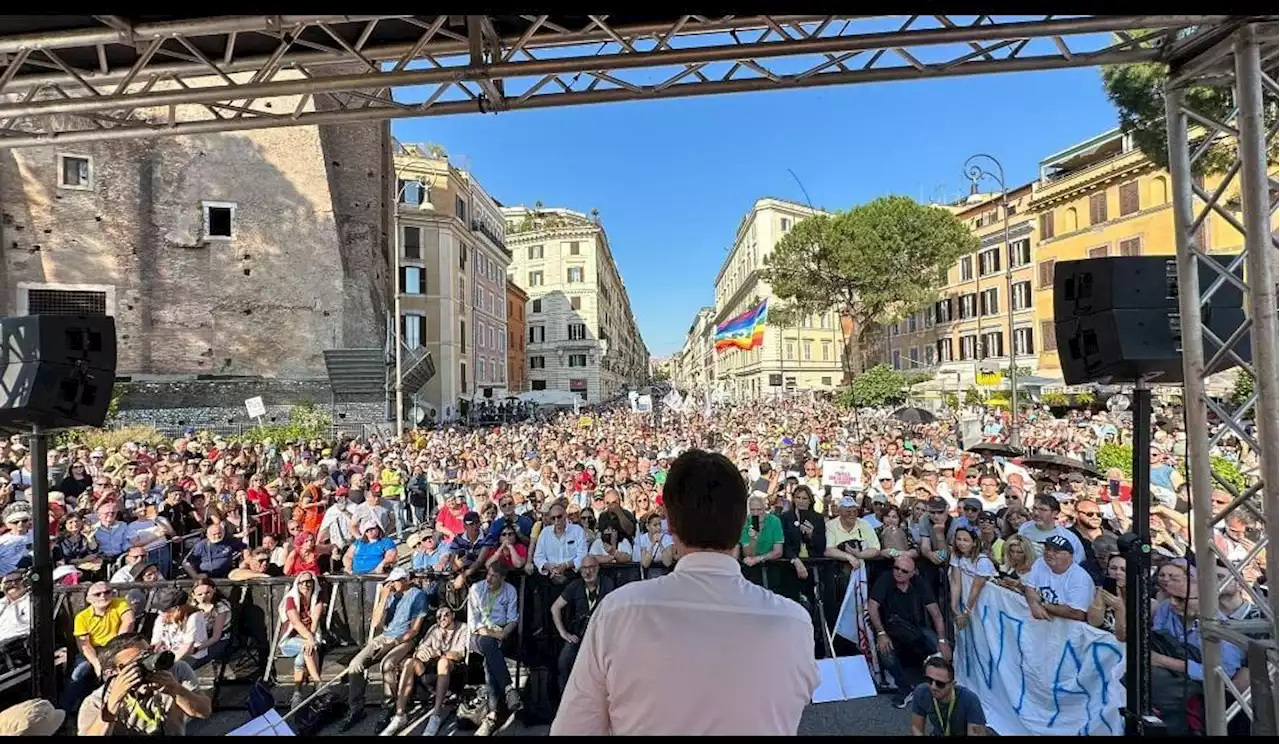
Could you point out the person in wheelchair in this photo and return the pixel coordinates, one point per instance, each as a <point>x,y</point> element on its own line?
<point>441,653</point>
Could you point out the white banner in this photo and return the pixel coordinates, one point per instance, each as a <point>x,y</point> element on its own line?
<point>852,621</point>
<point>1054,677</point>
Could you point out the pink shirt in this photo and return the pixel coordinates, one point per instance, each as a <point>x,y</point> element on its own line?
<point>699,651</point>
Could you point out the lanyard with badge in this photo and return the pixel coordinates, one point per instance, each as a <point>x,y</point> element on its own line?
<point>944,723</point>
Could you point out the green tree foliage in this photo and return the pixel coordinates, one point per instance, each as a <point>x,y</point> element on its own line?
<point>1112,455</point>
<point>915,378</point>
<point>1085,399</point>
<point>1137,90</point>
<point>974,397</point>
<point>874,263</point>
<point>879,386</point>
<point>1242,388</point>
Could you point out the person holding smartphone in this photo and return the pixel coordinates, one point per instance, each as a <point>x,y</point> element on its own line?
<point>611,546</point>
<point>762,537</point>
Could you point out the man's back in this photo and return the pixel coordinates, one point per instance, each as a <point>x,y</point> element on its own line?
<point>699,651</point>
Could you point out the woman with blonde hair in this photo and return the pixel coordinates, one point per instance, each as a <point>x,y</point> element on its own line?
<point>1019,554</point>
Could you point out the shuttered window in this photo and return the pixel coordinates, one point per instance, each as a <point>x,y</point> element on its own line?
<point>1048,341</point>
<point>1128,198</point>
<point>1098,208</point>
<point>1131,247</point>
<point>1046,274</point>
<point>1099,252</point>
<point>1046,225</point>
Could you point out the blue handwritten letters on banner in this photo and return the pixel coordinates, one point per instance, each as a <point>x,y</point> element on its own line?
<point>1051,677</point>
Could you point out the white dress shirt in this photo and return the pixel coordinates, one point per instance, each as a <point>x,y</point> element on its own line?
<point>742,661</point>
<point>553,548</point>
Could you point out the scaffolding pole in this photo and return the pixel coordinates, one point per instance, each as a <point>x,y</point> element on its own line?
<point>1237,63</point>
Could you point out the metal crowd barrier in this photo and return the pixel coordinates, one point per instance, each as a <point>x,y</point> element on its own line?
<point>255,603</point>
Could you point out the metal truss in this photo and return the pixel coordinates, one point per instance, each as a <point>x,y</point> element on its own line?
<point>1242,61</point>
<point>112,79</point>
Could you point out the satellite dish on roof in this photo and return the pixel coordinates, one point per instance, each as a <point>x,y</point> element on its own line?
<point>417,415</point>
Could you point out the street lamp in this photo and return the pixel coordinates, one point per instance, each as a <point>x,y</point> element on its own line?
<point>975,172</point>
<point>424,205</point>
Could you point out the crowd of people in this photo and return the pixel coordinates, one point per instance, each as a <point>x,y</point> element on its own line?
<point>450,514</point>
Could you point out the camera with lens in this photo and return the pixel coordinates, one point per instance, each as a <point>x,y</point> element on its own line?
<point>152,662</point>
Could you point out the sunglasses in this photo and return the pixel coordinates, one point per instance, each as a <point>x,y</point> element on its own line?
<point>937,683</point>
<point>557,517</point>
<point>105,593</point>
<point>900,570</point>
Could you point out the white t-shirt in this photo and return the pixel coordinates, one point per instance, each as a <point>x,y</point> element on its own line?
<point>597,547</point>
<point>1037,537</point>
<point>1073,588</point>
<point>15,618</point>
<point>971,569</point>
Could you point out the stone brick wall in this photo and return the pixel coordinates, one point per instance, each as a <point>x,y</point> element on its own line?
<point>305,271</point>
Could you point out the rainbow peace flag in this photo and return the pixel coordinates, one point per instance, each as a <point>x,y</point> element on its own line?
<point>743,332</point>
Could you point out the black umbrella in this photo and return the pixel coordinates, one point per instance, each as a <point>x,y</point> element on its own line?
<point>1058,461</point>
<point>914,416</point>
<point>996,449</point>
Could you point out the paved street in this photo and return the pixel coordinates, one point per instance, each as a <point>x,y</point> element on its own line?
<point>866,717</point>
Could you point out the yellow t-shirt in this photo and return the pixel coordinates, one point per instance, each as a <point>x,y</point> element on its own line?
<point>101,628</point>
<point>862,532</point>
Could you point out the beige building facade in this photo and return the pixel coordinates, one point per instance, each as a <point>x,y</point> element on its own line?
<point>452,268</point>
<point>969,325</point>
<point>581,335</point>
<point>805,355</point>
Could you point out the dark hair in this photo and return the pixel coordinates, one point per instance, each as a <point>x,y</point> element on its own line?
<point>1050,502</point>
<point>706,500</point>
<point>124,641</point>
<point>938,662</point>
<point>499,568</point>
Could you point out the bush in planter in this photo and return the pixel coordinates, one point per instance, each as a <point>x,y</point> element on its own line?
<point>1113,455</point>
<point>1055,400</point>
<point>1085,399</point>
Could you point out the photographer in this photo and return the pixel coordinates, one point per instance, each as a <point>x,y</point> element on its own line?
<point>141,696</point>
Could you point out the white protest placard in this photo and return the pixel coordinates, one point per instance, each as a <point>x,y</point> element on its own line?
<point>255,407</point>
<point>1054,677</point>
<point>842,474</point>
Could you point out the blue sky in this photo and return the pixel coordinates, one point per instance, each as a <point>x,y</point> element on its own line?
<point>673,178</point>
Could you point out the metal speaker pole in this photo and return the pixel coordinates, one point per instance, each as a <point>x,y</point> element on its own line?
<point>44,679</point>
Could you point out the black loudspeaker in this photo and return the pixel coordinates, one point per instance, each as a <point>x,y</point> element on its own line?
<point>56,371</point>
<point>1098,285</point>
<point>1117,320</point>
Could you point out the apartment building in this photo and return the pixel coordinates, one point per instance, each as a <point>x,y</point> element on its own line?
<point>1103,197</point>
<point>695,363</point>
<point>451,278</point>
<point>975,320</point>
<point>805,355</point>
<point>517,301</point>
<point>489,294</point>
<point>580,331</point>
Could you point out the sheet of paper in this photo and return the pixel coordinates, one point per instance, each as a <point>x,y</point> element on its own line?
<point>853,680</point>
<point>267,724</point>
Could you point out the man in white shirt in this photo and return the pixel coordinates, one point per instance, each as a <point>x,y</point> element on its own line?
<point>15,608</point>
<point>15,543</point>
<point>1044,525</point>
<point>1057,586</point>
<point>560,550</point>
<point>634,676</point>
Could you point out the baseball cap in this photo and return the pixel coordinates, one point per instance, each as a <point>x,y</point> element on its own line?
<point>971,503</point>
<point>987,516</point>
<point>879,499</point>
<point>170,598</point>
<point>1076,477</point>
<point>471,518</point>
<point>848,502</point>
<point>31,718</point>
<point>1058,542</point>
<point>397,574</point>
<point>370,524</point>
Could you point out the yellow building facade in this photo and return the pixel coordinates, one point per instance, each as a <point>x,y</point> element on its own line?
<point>1099,198</point>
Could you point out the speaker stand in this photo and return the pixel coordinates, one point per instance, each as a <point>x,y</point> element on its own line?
<point>44,678</point>
<point>1136,548</point>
